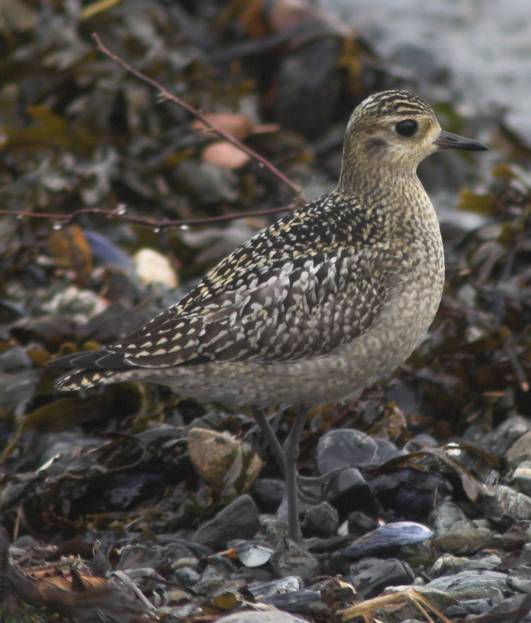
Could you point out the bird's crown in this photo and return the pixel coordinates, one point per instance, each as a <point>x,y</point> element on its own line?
<point>395,102</point>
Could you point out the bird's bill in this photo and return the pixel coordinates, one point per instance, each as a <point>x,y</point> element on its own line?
<point>447,140</point>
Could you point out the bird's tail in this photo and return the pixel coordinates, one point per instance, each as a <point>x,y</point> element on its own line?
<point>90,368</point>
<point>85,379</point>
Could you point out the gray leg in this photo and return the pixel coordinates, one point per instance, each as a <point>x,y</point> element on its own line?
<point>271,439</point>
<point>291,452</point>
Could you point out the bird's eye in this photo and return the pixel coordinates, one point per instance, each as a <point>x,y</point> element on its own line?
<point>408,127</point>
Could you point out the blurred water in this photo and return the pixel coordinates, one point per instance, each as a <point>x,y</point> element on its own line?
<point>485,44</point>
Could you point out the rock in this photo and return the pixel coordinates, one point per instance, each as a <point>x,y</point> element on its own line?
<point>507,501</point>
<point>521,477</point>
<point>409,492</point>
<point>207,183</point>
<point>237,520</point>
<point>269,493</point>
<point>291,559</point>
<point>269,616</point>
<point>153,267</point>
<point>359,523</point>
<point>274,530</point>
<point>387,538</point>
<point>320,520</point>
<point>445,516</point>
<point>448,564</point>
<point>520,450</point>
<point>463,537</point>
<point>263,590</point>
<point>506,434</point>
<point>349,447</point>
<point>467,585</point>
<point>520,579</point>
<point>223,461</point>
<point>187,576</point>
<point>347,490</point>
<point>371,575</point>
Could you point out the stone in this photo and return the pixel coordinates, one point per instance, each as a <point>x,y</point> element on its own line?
<point>507,501</point>
<point>223,461</point>
<point>320,520</point>
<point>153,267</point>
<point>371,576</point>
<point>520,450</point>
<point>269,616</point>
<point>359,523</point>
<point>350,447</point>
<point>448,564</point>
<point>347,490</point>
<point>445,516</point>
<point>521,477</point>
<point>467,585</point>
<point>269,493</point>
<point>463,537</point>
<point>238,520</point>
<point>291,559</point>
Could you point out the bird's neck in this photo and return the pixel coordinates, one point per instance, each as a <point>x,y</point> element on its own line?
<point>397,195</point>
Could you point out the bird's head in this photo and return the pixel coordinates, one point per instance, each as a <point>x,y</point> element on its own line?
<point>396,130</point>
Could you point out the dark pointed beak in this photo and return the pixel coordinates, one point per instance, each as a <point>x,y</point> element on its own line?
<point>447,140</point>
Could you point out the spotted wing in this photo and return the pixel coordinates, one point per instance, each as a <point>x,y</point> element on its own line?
<point>304,308</point>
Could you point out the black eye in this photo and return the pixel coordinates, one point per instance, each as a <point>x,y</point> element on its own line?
<point>408,127</point>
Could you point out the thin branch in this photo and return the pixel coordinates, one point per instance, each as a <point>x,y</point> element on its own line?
<point>120,214</point>
<point>166,95</point>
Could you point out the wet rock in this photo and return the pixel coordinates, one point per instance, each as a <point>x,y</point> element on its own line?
<point>296,86</point>
<point>419,442</point>
<point>371,575</point>
<point>270,616</point>
<point>506,434</point>
<point>347,490</point>
<point>449,564</point>
<point>215,577</point>
<point>521,477</point>
<point>274,530</point>
<point>207,183</point>
<point>520,579</point>
<point>291,559</point>
<point>466,585</point>
<point>359,523</point>
<point>269,493</point>
<point>409,492</point>
<point>237,520</point>
<point>350,447</point>
<point>445,516</point>
<point>387,538</point>
<point>14,359</point>
<point>223,461</point>
<point>463,537</point>
<point>320,520</point>
<point>153,267</point>
<point>263,590</point>
<point>507,501</point>
<point>520,450</point>
<point>187,576</point>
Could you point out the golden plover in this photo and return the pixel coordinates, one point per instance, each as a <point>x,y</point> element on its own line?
<point>316,306</point>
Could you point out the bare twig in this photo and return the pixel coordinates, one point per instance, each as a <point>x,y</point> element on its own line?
<point>166,95</point>
<point>120,214</point>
